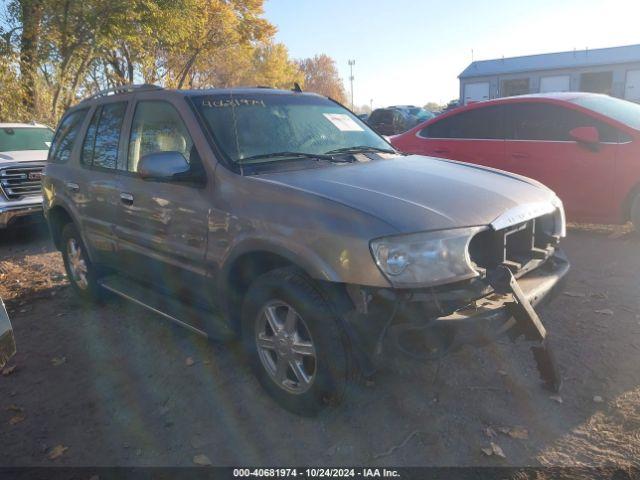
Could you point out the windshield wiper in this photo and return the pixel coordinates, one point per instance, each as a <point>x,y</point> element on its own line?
<point>266,156</point>
<point>361,149</point>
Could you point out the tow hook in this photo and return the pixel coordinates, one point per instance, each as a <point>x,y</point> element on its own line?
<point>528,323</point>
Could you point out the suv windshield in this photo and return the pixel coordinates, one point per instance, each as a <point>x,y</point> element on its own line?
<point>25,138</point>
<point>256,125</point>
<point>620,110</point>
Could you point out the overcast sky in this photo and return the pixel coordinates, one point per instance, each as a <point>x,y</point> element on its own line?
<point>412,51</point>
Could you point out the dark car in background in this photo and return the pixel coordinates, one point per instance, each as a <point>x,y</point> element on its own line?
<point>417,114</point>
<point>390,121</point>
<point>584,146</point>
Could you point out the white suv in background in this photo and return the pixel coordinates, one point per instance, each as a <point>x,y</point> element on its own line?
<point>23,152</point>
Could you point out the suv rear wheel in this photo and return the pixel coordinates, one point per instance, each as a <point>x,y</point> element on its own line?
<point>81,272</point>
<point>294,343</point>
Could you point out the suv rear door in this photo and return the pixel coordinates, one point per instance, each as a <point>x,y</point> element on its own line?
<point>96,191</point>
<point>162,226</point>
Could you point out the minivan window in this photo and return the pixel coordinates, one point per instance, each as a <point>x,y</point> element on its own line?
<point>157,127</point>
<point>25,138</point>
<point>101,142</point>
<point>485,123</point>
<point>543,121</point>
<point>244,125</point>
<point>65,136</point>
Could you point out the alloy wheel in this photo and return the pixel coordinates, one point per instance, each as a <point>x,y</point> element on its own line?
<point>77,265</point>
<point>285,347</point>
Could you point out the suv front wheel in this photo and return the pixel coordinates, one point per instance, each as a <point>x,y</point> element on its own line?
<point>80,271</point>
<point>294,343</point>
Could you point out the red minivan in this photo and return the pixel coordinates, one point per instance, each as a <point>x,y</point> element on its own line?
<point>584,146</point>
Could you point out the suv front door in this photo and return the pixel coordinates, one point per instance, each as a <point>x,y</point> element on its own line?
<point>162,226</point>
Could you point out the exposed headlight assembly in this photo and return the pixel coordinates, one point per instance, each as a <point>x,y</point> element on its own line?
<point>425,259</point>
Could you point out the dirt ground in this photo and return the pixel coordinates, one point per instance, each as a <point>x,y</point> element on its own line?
<point>113,384</point>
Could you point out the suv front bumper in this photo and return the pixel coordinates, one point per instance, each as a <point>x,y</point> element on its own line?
<point>9,211</point>
<point>426,324</point>
<point>491,317</point>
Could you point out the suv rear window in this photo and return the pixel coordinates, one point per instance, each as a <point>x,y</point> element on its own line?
<point>65,137</point>
<point>100,148</point>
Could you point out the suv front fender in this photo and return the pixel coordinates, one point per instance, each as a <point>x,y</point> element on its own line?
<point>305,259</point>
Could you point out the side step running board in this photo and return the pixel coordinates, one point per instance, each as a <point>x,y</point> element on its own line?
<point>203,322</point>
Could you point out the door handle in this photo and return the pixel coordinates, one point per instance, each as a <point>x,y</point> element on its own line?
<point>520,155</point>
<point>441,150</point>
<point>126,198</point>
<point>73,187</point>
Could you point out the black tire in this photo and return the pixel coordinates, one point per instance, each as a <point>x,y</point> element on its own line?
<point>634,213</point>
<point>88,289</point>
<point>332,363</point>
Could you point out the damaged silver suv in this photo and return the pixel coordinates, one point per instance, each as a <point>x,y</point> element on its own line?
<point>280,218</point>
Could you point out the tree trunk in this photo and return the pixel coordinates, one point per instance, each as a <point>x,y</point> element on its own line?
<point>31,12</point>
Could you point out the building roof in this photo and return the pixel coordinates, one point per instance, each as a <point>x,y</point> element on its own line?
<point>553,61</point>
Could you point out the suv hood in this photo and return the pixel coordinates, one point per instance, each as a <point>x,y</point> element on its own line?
<point>23,156</point>
<point>417,193</point>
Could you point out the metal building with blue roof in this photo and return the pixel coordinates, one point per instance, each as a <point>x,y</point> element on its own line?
<point>614,71</point>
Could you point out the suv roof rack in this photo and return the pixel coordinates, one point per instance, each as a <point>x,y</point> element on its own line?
<point>123,89</point>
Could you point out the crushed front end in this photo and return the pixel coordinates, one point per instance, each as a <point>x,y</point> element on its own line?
<point>518,265</point>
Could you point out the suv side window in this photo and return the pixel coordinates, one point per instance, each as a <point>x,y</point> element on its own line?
<point>100,148</point>
<point>62,143</point>
<point>540,121</point>
<point>485,123</point>
<point>157,127</point>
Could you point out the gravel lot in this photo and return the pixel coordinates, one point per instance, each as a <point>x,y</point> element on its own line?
<point>113,383</point>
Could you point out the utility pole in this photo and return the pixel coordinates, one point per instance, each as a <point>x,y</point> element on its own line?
<point>371,104</point>
<point>351,64</point>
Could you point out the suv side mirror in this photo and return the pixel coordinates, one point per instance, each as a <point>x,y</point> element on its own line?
<point>163,166</point>
<point>587,135</point>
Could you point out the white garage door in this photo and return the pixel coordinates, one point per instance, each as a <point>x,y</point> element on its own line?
<point>632,88</point>
<point>476,92</point>
<point>559,83</point>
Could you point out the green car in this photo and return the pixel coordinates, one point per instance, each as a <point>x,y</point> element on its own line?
<point>7,343</point>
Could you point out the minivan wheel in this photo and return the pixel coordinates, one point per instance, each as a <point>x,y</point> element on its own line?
<point>80,271</point>
<point>294,343</point>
